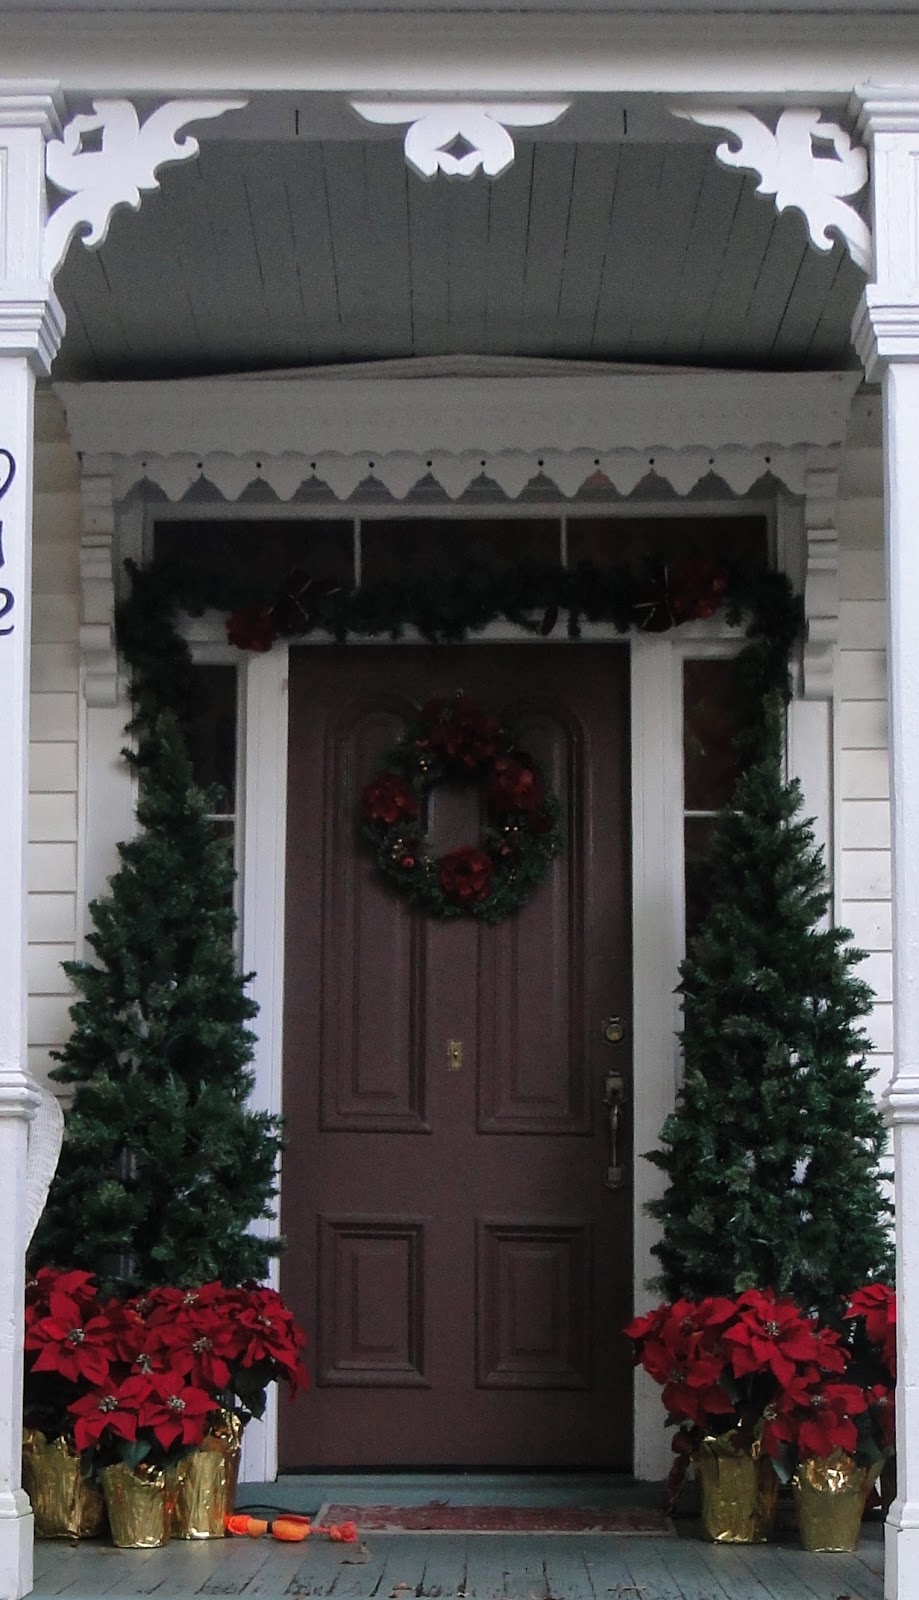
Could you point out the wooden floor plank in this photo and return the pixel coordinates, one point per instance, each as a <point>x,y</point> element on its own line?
<point>240,1560</point>
<point>189,1565</point>
<point>607,1567</point>
<point>567,1577</point>
<point>484,1569</point>
<point>100,1569</point>
<point>276,1572</point>
<point>650,1574</point>
<point>688,1564</point>
<point>843,1574</point>
<point>319,1568</point>
<point>524,1569</point>
<point>461,1567</point>
<point>780,1569</point>
<point>361,1570</point>
<point>444,1572</point>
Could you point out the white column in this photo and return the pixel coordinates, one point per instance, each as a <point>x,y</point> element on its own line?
<point>31,325</point>
<point>886,334</point>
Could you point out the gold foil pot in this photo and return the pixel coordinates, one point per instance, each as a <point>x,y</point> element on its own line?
<point>139,1504</point>
<point>830,1494</point>
<point>66,1505</point>
<point>206,1482</point>
<point>737,1489</point>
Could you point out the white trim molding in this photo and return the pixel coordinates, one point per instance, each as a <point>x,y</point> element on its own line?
<point>340,427</point>
<point>821,582</point>
<point>31,319</point>
<point>31,323</point>
<point>886,334</point>
<point>887,320</point>
<point>479,126</point>
<point>792,169</point>
<point>96,181</point>
<point>97,585</point>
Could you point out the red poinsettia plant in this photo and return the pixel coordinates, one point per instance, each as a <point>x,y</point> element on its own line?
<point>143,1379</point>
<point>760,1365</point>
<point>871,1318</point>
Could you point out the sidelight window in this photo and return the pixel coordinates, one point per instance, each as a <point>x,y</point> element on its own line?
<point>710,726</point>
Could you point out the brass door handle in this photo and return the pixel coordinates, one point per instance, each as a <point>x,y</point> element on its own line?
<point>614,1098</point>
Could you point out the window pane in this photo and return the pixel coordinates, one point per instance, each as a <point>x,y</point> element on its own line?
<point>211,731</point>
<point>446,546</point>
<point>636,540</point>
<point>710,725</point>
<point>697,839</point>
<point>259,555</point>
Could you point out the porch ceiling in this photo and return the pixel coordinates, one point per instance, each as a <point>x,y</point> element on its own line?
<point>283,253</point>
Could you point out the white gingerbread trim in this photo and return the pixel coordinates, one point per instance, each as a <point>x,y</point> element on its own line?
<point>435,125</point>
<point>339,429</point>
<point>821,583</point>
<point>791,169</point>
<point>97,583</point>
<point>739,467</point>
<point>99,180</point>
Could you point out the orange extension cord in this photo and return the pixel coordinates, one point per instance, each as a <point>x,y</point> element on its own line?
<point>290,1528</point>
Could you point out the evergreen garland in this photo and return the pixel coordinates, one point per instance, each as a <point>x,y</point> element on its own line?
<point>772,1154</point>
<point>534,597</point>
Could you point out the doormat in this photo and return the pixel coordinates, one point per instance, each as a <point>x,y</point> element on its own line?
<point>437,1517</point>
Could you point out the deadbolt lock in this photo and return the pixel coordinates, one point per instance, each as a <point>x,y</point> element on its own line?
<point>613,1030</point>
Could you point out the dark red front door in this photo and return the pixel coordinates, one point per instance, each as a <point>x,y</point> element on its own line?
<point>454,1249</point>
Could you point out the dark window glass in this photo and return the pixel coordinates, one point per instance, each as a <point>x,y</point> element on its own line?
<point>259,555</point>
<point>444,546</point>
<point>710,725</point>
<point>697,836</point>
<point>211,732</point>
<point>633,540</point>
<point>709,729</point>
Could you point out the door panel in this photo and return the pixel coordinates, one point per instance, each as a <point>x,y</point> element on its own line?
<point>454,1252</point>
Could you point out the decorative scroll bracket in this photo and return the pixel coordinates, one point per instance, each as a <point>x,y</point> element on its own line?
<point>791,168</point>
<point>436,127</point>
<point>821,583</point>
<point>124,165</point>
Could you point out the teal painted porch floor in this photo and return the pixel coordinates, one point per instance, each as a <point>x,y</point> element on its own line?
<point>462,1566</point>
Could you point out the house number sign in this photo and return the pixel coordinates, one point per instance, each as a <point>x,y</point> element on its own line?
<point>7,474</point>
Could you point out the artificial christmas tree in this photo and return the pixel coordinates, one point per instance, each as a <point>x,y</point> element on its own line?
<point>772,1154</point>
<point>164,1166</point>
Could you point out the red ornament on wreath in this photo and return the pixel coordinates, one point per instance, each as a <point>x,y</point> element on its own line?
<point>456,739</point>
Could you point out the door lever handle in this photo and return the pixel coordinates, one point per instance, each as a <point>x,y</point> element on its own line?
<point>614,1098</point>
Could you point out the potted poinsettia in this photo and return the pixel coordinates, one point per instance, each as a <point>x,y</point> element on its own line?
<point>68,1351</point>
<point>232,1343</point>
<point>814,1428</point>
<point>842,1433</point>
<point>723,1365</point>
<point>148,1397</point>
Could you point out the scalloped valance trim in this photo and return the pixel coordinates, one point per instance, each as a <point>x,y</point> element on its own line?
<point>401,473</point>
<point>285,431</point>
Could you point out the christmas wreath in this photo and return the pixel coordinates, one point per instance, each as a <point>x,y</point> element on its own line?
<point>457,739</point>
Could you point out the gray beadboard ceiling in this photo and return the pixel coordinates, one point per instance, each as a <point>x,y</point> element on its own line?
<point>266,253</point>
